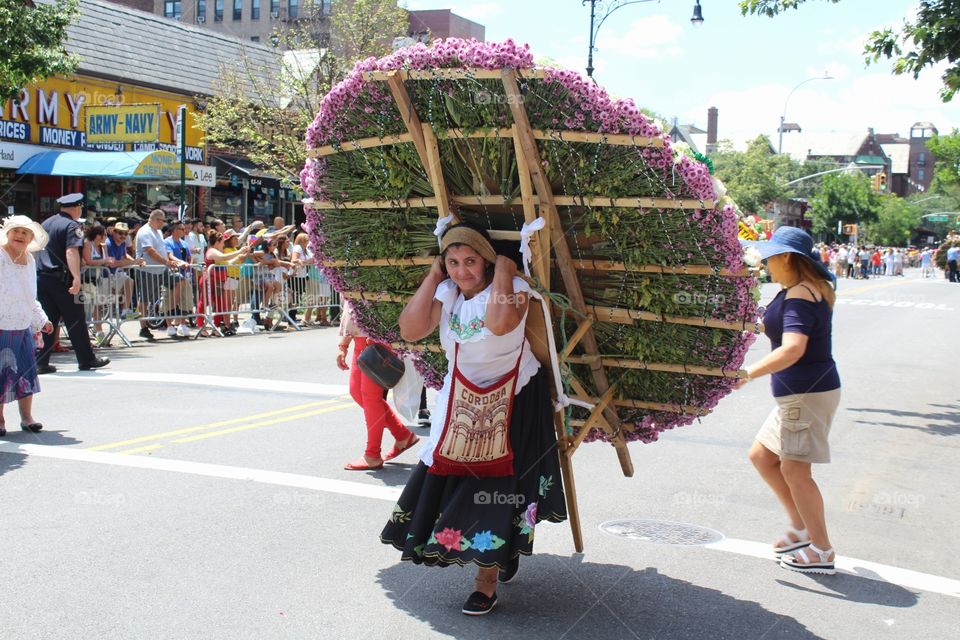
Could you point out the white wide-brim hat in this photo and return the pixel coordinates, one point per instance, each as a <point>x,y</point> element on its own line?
<point>23,222</point>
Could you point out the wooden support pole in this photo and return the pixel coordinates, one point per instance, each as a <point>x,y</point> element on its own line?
<point>640,202</point>
<point>559,244</point>
<point>502,132</point>
<point>575,339</point>
<point>595,416</point>
<point>625,363</point>
<point>435,171</point>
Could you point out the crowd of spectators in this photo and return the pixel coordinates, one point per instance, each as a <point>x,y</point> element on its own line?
<point>174,275</point>
<point>861,262</point>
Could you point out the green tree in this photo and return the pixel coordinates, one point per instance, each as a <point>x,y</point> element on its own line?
<point>946,149</point>
<point>896,221</point>
<point>845,198</point>
<point>32,43</point>
<point>753,178</point>
<point>262,111</point>
<point>933,37</point>
<point>365,28</point>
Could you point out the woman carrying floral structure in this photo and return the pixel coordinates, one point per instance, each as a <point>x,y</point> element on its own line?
<point>489,471</point>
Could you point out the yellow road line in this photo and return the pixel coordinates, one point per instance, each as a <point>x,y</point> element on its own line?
<point>221,423</point>
<point>872,287</point>
<point>141,449</point>
<point>264,423</point>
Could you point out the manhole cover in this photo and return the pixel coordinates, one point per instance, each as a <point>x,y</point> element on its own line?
<point>661,532</point>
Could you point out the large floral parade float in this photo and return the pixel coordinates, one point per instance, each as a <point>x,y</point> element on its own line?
<point>634,251</point>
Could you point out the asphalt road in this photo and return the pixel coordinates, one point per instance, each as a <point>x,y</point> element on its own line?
<point>195,490</point>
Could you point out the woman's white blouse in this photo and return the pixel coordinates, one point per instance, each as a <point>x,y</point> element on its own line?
<point>19,308</point>
<point>484,357</point>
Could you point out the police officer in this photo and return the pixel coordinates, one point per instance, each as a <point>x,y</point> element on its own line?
<point>58,285</point>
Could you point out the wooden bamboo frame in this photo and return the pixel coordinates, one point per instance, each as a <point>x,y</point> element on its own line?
<point>585,265</point>
<point>605,314</point>
<point>640,202</point>
<point>558,135</point>
<point>654,406</point>
<point>666,367</point>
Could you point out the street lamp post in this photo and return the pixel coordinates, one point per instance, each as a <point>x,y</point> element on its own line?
<point>608,7</point>
<point>783,117</point>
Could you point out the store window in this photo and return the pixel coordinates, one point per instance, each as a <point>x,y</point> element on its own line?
<point>113,198</point>
<point>237,9</point>
<point>172,9</point>
<point>16,194</point>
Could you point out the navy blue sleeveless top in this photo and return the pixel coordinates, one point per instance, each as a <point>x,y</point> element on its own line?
<point>815,371</point>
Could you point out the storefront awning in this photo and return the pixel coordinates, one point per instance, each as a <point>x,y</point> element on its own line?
<point>243,168</point>
<point>124,165</point>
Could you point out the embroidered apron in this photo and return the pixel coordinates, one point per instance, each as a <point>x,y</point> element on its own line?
<point>476,431</point>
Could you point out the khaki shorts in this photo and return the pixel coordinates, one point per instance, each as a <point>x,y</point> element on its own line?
<point>799,426</point>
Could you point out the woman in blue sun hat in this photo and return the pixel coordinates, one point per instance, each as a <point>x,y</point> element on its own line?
<point>806,387</point>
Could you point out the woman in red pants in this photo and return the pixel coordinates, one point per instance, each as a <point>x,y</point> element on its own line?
<point>371,398</point>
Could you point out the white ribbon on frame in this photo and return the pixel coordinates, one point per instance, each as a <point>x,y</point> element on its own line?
<point>442,225</point>
<point>526,233</point>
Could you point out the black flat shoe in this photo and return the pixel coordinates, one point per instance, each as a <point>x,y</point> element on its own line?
<point>33,427</point>
<point>509,572</point>
<point>3,431</point>
<point>479,604</point>
<point>45,368</point>
<point>95,364</point>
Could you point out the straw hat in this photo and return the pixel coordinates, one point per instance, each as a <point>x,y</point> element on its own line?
<point>23,222</point>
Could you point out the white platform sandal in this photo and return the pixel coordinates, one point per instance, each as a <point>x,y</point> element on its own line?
<point>802,540</point>
<point>824,565</point>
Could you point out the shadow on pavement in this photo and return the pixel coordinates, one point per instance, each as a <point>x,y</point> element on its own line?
<point>948,413</point>
<point>10,461</point>
<point>866,589</point>
<point>556,597</point>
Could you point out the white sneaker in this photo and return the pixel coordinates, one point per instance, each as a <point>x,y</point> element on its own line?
<point>183,331</point>
<point>171,331</point>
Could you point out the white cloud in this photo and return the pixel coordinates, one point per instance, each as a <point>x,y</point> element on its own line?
<point>652,37</point>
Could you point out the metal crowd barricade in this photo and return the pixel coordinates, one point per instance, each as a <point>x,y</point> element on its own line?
<point>165,294</point>
<point>101,292</point>
<point>271,296</point>
<point>213,297</point>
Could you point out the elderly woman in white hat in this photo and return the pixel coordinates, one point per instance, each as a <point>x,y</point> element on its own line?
<point>21,317</point>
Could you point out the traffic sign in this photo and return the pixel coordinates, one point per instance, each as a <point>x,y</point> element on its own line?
<point>938,218</point>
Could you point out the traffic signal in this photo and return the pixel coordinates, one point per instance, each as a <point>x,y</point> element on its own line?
<point>875,181</point>
<point>849,229</point>
<point>883,181</point>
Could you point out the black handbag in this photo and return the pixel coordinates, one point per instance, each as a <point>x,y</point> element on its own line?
<point>381,365</point>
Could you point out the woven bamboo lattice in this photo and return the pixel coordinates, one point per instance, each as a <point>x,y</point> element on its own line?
<point>652,305</point>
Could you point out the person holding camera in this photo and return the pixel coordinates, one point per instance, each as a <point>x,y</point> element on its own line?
<point>372,399</point>
<point>490,471</point>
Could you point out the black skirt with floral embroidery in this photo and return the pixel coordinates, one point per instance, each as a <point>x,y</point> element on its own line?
<point>444,520</point>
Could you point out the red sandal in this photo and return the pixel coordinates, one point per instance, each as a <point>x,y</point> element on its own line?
<point>397,449</point>
<point>360,464</point>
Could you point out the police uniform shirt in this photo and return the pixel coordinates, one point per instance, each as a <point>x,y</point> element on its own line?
<point>64,233</point>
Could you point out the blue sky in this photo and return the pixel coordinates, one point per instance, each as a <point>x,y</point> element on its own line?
<point>745,66</point>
